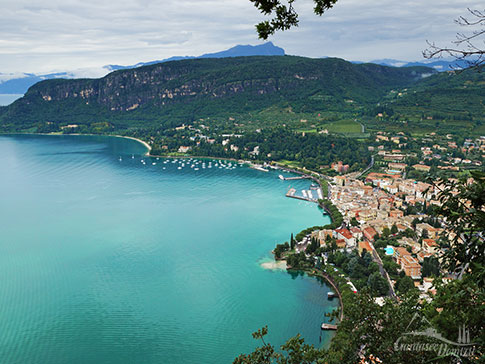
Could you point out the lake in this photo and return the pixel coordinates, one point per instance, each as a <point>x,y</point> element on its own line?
<point>106,259</point>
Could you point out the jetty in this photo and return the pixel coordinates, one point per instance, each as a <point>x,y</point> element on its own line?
<point>307,195</point>
<point>329,326</point>
<point>292,178</point>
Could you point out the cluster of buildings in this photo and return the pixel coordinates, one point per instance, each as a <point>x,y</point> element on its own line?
<point>442,151</point>
<point>384,200</point>
<point>340,167</point>
<point>377,204</point>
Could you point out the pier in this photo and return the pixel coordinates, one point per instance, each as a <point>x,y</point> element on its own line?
<point>294,178</point>
<point>307,195</point>
<point>329,326</point>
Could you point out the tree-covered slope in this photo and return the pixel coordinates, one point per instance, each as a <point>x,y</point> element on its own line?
<point>448,101</point>
<point>181,91</point>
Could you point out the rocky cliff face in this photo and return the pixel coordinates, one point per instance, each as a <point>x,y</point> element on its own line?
<point>181,81</point>
<point>187,86</point>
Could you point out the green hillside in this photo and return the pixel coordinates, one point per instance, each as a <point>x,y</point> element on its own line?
<point>254,91</point>
<point>447,102</point>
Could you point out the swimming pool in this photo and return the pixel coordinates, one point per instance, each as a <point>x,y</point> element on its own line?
<point>389,250</point>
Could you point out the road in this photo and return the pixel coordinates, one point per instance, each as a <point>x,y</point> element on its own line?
<point>383,272</point>
<point>369,167</point>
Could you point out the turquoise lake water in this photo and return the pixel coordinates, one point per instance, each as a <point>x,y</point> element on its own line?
<point>109,261</point>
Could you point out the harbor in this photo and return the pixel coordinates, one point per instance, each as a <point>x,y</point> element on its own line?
<point>312,195</point>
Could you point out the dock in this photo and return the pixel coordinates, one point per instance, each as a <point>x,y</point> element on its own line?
<point>307,195</point>
<point>294,178</point>
<point>329,326</point>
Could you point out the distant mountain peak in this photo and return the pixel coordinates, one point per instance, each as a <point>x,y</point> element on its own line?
<point>266,49</point>
<point>19,83</point>
<point>247,50</point>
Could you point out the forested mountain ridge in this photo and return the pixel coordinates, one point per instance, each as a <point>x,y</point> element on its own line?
<point>174,92</point>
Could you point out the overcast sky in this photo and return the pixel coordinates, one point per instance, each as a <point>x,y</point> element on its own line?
<point>58,35</point>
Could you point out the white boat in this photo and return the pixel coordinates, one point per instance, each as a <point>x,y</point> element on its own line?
<point>281,177</point>
<point>154,164</point>
<point>259,168</point>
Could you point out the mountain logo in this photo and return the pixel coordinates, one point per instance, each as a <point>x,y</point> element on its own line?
<point>429,339</point>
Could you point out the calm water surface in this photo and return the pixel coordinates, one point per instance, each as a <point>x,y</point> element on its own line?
<point>109,261</point>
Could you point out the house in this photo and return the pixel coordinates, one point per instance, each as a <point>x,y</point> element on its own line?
<point>401,227</point>
<point>365,245</point>
<point>322,235</point>
<point>340,180</point>
<point>382,214</point>
<point>399,253</point>
<point>422,167</point>
<point>356,232</point>
<point>369,233</point>
<point>396,213</point>
<point>394,188</point>
<point>367,215</point>
<point>346,235</point>
<point>422,189</point>
<point>183,149</point>
<point>397,166</point>
<point>340,167</point>
<point>411,267</point>
<point>394,157</point>
<point>341,243</point>
<point>430,245</point>
<point>425,226</point>
<point>422,255</point>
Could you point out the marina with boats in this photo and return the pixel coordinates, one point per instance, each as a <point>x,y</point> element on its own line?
<point>312,195</point>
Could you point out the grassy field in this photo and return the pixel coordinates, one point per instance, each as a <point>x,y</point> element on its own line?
<point>289,164</point>
<point>344,127</point>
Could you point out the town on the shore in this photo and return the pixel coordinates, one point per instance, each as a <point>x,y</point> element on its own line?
<point>389,237</point>
<point>382,193</point>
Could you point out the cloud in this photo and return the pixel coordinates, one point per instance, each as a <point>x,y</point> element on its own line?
<point>56,35</point>
<point>10,76</point>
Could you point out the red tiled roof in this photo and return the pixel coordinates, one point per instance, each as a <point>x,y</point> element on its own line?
<point>370,232</point>
<point>365,245</point>
<point>345,233</point>
<point>430,242</point>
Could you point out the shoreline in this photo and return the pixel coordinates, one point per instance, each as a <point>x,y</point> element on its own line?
<point>273,164</point>
<point>145,144</point>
